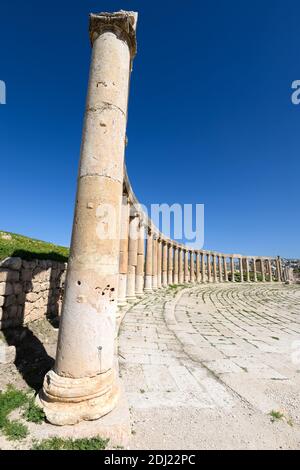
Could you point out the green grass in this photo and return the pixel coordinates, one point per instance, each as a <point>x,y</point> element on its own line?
<point>12,399</point>
<point>276,415</point>
<point>29,248</point>
<point>56,443</point>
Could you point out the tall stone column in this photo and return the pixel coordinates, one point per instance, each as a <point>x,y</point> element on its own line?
<point>225,269</point>
<point>198,271</point>
<point>232,268</point>
<point>132,257</point>
<point>159,263</point>
<point>180,266</point>
<point>192,267</point>
<point>123,262</point>
<point>149,256</point>
<point>220,268</point>
<point>254,270</point>
<point>247,270</point>
<point>203,274</point>
<point>82,385</point>
<point>278,269</point>
<point>270,270</point>
<point>186,267</point>
<point>175,264</point>
<point>165,264</point>
<point>241,269</point>
<point>214,267</point>
<point>208,267</point>
<point>262,265</point>
<point>139,278</point>
<point>154,262</point>
<point>170,264</point>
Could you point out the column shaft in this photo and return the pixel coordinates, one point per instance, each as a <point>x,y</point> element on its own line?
<point>165,265</point>
<point>154,262</point>
<point>139,279</point>
<point>170,264</point>
<point>149,256</point>
<point>132,257</point>
<point>123,262</point>
<point>176,265</point>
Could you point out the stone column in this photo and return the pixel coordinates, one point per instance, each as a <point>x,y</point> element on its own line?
<point>186,267</point>
<point>192,267</point>
<point>254,270</point>
<point>139,279</point>
<point>159,254</point>
<point>82,384</point>
<point>132,257</point>
<point>262,265</point>
<point>154,262</point>
<point>175,264</point>
<point>198,273</point>
<point>165,264</point>
<point>232,268</point>
<point>208,267</point>
<point>225,269</point>
<point>247,270</point>
<point>180,266</point>
<point>123,262</point>
<point>214,267</point>
<point>220,268</point>
<point>203,274</point>
<point>170,264</point>
<point>278,269</point>
<point>270,270</point>
<point>149,256</point>
<point>241,269</point>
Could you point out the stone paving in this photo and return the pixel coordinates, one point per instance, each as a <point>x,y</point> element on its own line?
<point>228,355</point>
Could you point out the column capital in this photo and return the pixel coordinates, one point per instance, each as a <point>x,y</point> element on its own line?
<point>122,23</point>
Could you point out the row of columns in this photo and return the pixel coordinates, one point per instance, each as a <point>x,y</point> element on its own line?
<point>149,262</point>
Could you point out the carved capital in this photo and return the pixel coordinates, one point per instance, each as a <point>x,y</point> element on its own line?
<point>122,23</point>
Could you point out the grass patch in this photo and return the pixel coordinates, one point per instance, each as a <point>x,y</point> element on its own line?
<point>56,443</point>
<point>276,415</point>
<point>15,431</point>
<point>9,401</point>
<point>12,244</point>
<point>275,337</point>
<point>34,413</point>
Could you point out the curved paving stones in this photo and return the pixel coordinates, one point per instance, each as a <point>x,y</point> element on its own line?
<point>210,377</point>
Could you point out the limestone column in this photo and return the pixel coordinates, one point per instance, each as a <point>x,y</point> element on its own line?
<point>82,384</point>
<point>225,268</point>
<point>232,268</point>
<point>198,273</point>
<point>180,266</point>
<point>220,268</point>
<point>208,268</point>
<point>203,274</point>
<point>159,254</point>
<point>270,270</point>
<point>154,262</point>
<point>149,257</point>
<point>139,279</point>
<point>254,270</point>
<point>241,269</point>
<point>214,267</point>
<point>170,264</point>
<point>175,264</point>
<point>123,262</point>
<point>132,257</point>
<point>247,270</point>
<point>262,264</point>
<point>186,267</point>
<point>165,264</point>
<point>278,269</point>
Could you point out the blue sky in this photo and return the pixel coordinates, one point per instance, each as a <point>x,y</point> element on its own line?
<point>210,116</point>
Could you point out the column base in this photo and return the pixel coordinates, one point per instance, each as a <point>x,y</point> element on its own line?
<point>148,289</point>
<point>66,400</point>
<point>130,299</point>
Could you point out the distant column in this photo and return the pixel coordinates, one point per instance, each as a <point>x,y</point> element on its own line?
<point>254,270</point>
<point>132,258</point>
<point>278,269</point>
<point>262,265</point>
<point>220,268</point>
<point>123,261</point>
<point>208,268</point>
<point>225,268</point>
<point>214,267</point>
<point>186,266</point>
<point>165,264</point>
<point>180,266</point>
<point>139,278</point>
<point>241,269</point>
<point>175,264</point>
<point>247,270</point>
<point>232,268</point>
<point>198,273</point>
<point>270,270</point>
<point>154,262</point>
<point>149,256</point>
<point>170,265</point>
<point>159,262</point>
<point>203,274</point>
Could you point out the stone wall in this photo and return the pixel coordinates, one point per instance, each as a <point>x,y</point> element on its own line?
<point>29,290</point>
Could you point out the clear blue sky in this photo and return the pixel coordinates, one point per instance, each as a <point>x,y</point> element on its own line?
<point>210,116</point>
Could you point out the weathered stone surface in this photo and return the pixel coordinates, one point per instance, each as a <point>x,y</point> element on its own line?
<point>7,353</point>
<point>11,263</point>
